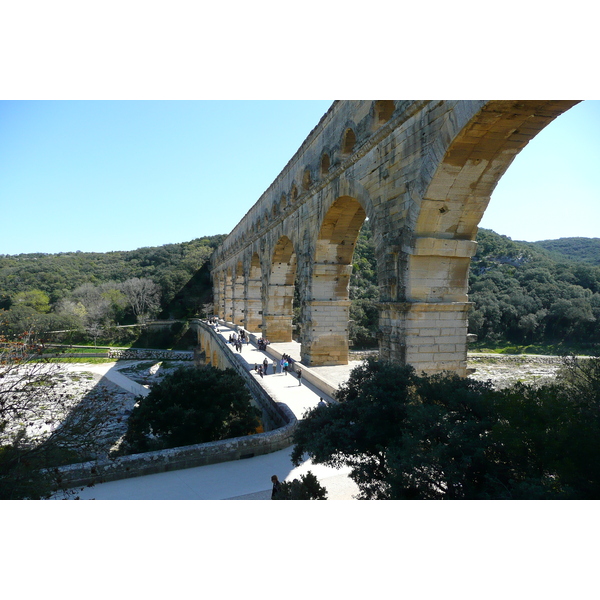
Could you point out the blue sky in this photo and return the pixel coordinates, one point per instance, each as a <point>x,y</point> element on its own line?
<point>119,175</point>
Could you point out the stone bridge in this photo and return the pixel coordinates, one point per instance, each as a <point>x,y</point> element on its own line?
<point>422,172</point>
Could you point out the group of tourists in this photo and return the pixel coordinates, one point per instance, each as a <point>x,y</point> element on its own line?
<point>263,369</point>
<point>236,340</point>
<point>286,363</point>
<point>263,343</point>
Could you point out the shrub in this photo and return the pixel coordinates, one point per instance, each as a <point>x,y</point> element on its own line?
<point>191,406</point>
<point>305,488</point>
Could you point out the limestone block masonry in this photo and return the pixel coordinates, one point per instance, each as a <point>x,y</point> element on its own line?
<point>422,172</point>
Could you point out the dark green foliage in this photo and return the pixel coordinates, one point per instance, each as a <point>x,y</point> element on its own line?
<point>21,472</point>
<point>191,406</point>
<point>364,292</point>
<point>442,437</point>
<point>305,488</point>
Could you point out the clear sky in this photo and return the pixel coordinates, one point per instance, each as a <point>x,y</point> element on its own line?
<point>97,176</point>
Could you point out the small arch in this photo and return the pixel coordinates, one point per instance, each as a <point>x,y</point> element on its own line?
<point>293,194</point>
<point>255,269</point>
<point>325,164</point>
<point>283,202</point>
<point>384,110</point>
<point>306,179</point>
<point>348,142</point>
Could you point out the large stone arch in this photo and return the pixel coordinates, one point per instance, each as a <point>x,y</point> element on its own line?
<point>253,297</point>
<point>326,311</point>
<point>465,162</point>
<point>238,293</point>
<point>228,294</point>
<point>279,292</point>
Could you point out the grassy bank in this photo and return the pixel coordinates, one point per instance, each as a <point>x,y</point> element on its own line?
<point>557,349</point>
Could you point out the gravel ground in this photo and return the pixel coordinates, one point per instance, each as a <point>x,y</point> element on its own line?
<point>504,370</point>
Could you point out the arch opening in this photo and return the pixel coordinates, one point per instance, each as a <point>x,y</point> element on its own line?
<point>348,142</point>
<point>326,315</point>
<point>277,317</point>
<point>436,265</point>
<point>384,109</point>
<point>325,164</point>
<point>306,180</point>
<point>253,305</point>
<point>238,294</point>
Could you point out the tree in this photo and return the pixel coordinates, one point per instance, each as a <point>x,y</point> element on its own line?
<point>358,430</point>
<point>36,299</point>
<point>143,296</point>
<point>42,425</point>
<point>191,406</point>
<point>443,437</point>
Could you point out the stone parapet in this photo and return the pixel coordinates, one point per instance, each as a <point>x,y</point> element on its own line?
<point>185,457</point>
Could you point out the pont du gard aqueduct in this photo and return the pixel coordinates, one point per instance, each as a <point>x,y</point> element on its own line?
<point>422,172</point>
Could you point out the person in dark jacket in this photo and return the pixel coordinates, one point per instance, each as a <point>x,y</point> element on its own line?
<point>276,488</point>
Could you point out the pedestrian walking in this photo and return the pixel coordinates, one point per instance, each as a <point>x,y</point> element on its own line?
<point>276,491</point>
<point>299,376</point>
<point>285,366</point>
<point>265,365</point>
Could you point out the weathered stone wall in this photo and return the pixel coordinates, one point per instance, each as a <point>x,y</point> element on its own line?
<point>423,173</point>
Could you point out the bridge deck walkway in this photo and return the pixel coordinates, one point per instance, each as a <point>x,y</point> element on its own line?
<point>248,479</point>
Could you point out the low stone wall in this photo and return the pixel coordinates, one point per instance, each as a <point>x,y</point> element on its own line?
<point>132,354</point>
<point>185,457</point>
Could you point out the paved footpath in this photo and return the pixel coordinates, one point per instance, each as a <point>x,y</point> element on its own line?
<point>246,479</point>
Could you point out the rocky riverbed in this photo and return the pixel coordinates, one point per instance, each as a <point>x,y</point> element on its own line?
<point>505,370</point>
<point>502,369</point>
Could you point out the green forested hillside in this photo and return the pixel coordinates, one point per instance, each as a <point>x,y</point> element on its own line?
<point>170,266</point>
<point>582,249</point>
<point>94,291</point>
<point>523,292</point>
